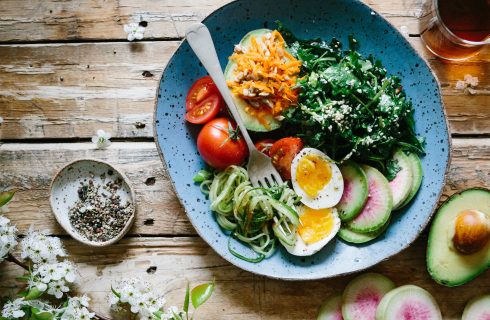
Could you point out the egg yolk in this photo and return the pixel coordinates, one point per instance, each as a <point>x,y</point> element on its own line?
<point>315,224</point>
<point>312,174</point>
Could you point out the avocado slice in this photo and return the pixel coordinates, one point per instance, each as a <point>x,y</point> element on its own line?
<point>251,122</point>
<point>445,263</point>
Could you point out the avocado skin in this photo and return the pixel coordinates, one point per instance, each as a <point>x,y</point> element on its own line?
<point>469,266</point>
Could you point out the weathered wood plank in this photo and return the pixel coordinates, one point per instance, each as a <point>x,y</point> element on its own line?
<point>71,90</point>
<point>30,168</point>
<point>40,20</point>
<point>239,295</point>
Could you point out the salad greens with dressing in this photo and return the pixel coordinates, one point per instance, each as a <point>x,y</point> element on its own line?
<point>348,106</point>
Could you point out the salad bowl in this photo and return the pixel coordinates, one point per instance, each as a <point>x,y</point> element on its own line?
<point>176,139</point>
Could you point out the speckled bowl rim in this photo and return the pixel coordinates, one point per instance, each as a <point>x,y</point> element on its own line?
<point>315,277</point>
<point>76,235</point>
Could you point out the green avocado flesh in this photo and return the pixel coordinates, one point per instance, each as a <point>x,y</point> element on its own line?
<point>251,122</point>
<point>445,264</point>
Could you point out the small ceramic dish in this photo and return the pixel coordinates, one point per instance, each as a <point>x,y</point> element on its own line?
<point>64,193</point>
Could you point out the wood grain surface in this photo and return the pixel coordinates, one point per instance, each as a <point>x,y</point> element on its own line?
<point>66,70</point>
<point>71,90</point>
<point>55,20</point>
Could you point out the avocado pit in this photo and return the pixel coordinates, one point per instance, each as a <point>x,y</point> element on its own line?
<point>472,231</point>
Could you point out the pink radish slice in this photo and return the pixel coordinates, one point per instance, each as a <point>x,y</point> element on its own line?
<point>331,309</point>
<point>377,208</point>
<point>401,185</point>
<point>355,191</point>
<point>363,294</point>
<point>477,308</point>
<point>412,303</point>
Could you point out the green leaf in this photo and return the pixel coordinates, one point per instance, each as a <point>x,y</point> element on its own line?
<point>202,175</point>
<point>201,293</point>
<point>392,169</point>
<point>117,294</point>
<point>33,294</point>
<point>186,300</point>
<point>5,197</point>
<point>41,315</point>
<point>23,278</point>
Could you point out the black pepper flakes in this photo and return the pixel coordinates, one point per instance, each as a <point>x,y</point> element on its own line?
<point>99,214</point>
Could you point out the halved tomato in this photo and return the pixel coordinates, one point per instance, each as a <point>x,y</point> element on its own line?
<point>200,90</point>
<point>264,146</point>
<point>282,154</point>
<point>205,111</point>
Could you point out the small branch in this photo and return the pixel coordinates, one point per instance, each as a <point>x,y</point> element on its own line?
<point>13,259</point>
<point>100,317</point>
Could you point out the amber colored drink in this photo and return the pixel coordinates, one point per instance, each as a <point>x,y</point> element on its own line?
<point>457,29</point>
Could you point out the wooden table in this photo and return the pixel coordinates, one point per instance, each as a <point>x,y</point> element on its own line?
<point>67,70</point>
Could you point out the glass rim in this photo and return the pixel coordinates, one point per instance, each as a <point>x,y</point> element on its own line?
<point>451,35</point>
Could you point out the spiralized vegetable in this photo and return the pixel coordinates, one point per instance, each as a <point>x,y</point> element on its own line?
<point>256,216</point>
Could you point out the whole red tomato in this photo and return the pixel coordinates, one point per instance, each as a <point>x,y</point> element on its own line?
<point>221,145</point>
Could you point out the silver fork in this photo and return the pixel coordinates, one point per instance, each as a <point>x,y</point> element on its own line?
<point>260,169</point>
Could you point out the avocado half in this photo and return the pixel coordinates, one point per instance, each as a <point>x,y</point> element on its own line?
<point>251,122</point>
<point>445,264</point>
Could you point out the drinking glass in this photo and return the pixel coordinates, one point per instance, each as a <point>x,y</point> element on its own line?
<point>456,29</point>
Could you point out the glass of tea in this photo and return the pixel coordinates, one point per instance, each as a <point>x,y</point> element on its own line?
<point>457,29</point>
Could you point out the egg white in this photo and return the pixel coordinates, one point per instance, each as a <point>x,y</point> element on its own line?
<point>300,248</point>
<point>331,193</point>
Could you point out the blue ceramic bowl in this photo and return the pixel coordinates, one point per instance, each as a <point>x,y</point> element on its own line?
<point>308,19</point>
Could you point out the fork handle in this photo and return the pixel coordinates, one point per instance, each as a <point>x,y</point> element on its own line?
<point>200,40</point>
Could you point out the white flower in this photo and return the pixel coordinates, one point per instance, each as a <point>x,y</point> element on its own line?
<point>13,309</point>
<point>8,237</point>
<point>470,80</point>
<point>53,277</point>
<point>140,297</point>
<point>76,309</point>
<point>41,248</point>
<point>404,31</point>
<point>134,31</point>
<point>171,312</point>
<point>460,85</point>
<point>57,289</point>
<point>102,139</point>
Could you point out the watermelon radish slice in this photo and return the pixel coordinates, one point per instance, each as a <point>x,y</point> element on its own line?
<point>411,302</point>
<point>356,237</point>
<point>380,310</point>
<point>416,165</point>
<point>331,309</point>
<point>402,183</point>
<point>363,294</point>
<point>477,308</point>
<point>355,191</point>
<point>377,209</point>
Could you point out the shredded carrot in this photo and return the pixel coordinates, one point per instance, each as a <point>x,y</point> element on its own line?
<point>265,76</point>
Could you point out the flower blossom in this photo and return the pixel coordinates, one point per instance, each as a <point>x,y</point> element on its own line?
<point>102,139</point>
<point>134,31</point>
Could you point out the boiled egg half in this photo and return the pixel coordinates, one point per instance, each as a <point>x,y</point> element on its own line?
<point>316,179</point>
<point>317,227</point>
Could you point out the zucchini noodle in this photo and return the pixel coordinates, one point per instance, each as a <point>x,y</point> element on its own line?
<point>255,216</point>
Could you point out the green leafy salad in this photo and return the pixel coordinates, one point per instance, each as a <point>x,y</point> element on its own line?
<point>348,106</point>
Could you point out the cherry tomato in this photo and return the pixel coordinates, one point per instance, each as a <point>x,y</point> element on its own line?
<point>264,146</point>
<point>200,90</point>
<point>205,110</point>
<point>221,145</point>
<point>283,152</point>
